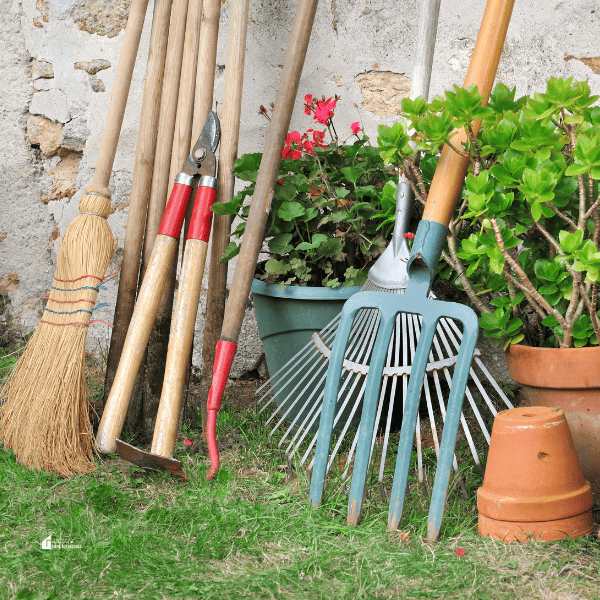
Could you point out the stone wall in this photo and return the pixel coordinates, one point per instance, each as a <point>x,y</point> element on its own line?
<point>59,59</point>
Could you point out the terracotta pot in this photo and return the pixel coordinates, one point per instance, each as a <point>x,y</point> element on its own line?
<point>568,378</point>
<point>533,487</point>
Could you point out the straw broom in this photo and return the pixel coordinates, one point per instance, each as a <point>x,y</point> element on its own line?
<point>44,419</point>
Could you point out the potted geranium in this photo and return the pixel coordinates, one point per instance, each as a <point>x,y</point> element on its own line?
<point>323,232</point>
<point>524,241</point>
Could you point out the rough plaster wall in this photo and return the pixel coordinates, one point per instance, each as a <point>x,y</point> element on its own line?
<point>58,69</point>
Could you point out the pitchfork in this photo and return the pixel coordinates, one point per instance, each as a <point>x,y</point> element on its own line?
<point>422,265</point>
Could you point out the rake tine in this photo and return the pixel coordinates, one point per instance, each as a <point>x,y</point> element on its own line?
<point>442,405</point>
<point>413,335</point>
<point>346,425</point>
<point>388,424</point>
<point>299,413</point>
<point>299,396</point>
<point>383,390</point>
<point>493,382</point>
<point>292,364</point>
<point>465,427</point>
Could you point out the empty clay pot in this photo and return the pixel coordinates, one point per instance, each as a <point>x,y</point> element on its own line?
<point>567,378</point>
<point>533,487</point>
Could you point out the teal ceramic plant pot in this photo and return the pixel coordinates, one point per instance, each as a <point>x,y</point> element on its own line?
<point>288,317</point>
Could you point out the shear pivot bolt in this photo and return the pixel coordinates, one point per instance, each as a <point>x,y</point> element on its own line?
<point>200,154</point>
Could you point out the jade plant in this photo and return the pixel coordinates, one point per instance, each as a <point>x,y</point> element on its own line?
<point>323,228</point>
<point>524,240</point>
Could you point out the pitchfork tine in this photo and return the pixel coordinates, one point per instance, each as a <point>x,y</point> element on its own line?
<point>453,411</point>
<point>367,421</point>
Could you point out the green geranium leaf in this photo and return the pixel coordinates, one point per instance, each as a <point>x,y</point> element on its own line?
<point>352,173</point>
<point>289,211</point>
<point>230,251</point>
<point>281,244</point>
<point>246,166</point>
<point>277,267</point>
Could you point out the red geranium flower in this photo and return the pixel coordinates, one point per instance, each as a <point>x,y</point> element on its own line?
<point>460,552</point>
<point>324,110</point>
<point>409,235</point>
<point>294,136</point>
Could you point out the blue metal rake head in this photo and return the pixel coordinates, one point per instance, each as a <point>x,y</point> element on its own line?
<point>425,254</point>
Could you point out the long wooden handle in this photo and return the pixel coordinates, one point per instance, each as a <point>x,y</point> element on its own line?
<point>183,323</point>
<point>268,171</point>
<point>118,99</point>
<point>207,61</point>
<point>138,333</point>
<point>230,132</point>
<point>163,254</point>
<point>182,137</point>
<point>257,219</point>
<point>140,188</point>
<point>450,172</point>
<point>166,127</point>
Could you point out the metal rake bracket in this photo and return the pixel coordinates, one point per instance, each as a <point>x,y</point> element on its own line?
<point>388,371</point>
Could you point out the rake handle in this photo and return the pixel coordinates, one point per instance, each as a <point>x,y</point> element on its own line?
<point>450,172</point>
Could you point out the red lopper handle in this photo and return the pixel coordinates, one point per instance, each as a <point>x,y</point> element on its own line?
<point>172,220</point>
<point>201,220</point>
<point>224,354</point>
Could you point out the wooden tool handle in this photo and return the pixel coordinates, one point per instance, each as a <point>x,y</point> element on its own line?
<point>183,323</point>
<point>268,171</point>
<point>118,99</point>
<point>207,60</point>
<point>230,131</point>
<point>138,333</point>
<point>163,253</point>
<point>450,172</point>
<point>140,188</point>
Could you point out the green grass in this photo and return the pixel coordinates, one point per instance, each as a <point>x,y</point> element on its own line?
<point>251,534</point>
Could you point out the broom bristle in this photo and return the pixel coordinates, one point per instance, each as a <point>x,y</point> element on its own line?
<point>44,418</point>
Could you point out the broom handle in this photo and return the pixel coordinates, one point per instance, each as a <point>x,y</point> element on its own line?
<point>118,99</point>
<point>450,172</point>
<point>140,188</point>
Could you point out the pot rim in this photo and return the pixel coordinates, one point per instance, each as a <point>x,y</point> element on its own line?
<point>556,368</point>
<point>301,291</point>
